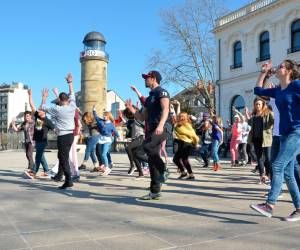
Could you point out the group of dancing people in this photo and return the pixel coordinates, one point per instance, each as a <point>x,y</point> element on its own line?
<point>271,130</point>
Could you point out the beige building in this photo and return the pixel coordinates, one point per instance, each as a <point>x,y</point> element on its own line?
<point>94,62</point>
<point>246,38</point>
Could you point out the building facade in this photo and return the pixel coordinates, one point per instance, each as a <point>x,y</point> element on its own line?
<point>113,102</point>
<point>192,102</point>
<point>246,38</point>
<point>13,103</point>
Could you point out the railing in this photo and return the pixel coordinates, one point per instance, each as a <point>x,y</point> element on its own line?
<point>237,65</point>
<point>293,50</point>
<point>244,11</point>
<point>263,58</point>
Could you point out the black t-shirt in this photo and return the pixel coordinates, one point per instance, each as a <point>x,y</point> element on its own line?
<point>41,128</point>
<point>154,108</point>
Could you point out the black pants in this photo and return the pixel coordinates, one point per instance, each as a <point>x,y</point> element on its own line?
<point>64,143</point>
<point>181,157</point>
<point>156,165</point>
<point>263,156</point>
<point>29,154</point>
<point>251,153</point>
<point>136,154</point>
<point>243,152</point>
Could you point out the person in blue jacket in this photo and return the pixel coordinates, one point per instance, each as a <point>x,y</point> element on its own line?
<point>287,100</point>
<point>107,130</point>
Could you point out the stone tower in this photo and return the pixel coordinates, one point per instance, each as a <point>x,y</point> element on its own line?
<point>94,62</point>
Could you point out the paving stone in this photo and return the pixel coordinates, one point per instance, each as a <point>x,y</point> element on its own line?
<point>211,212</point>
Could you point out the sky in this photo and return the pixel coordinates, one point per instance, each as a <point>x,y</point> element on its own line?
<point>41,40</point>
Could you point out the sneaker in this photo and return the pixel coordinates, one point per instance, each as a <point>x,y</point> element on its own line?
<point>111,165</point>
<point>95,169</point>
<point>66,185</point>
<point>107,171</point>
<point>164,177</point>
<point>43,174</point>
<point>294,216</point>
<point>82,167</point>
<point>56,178</point>
<point>151,196</point>
<point>190,178</point>
<point>131,171</point>
<point>30,175</point>
<point>182,176</point>
<point>264,209</point>
<point>75,178</point>
<point>146,171</point>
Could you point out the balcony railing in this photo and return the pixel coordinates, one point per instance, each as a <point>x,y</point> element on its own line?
<point>263,58</point>
<point>236,65</point>
<point>259,4</point>
<point>293,50</point>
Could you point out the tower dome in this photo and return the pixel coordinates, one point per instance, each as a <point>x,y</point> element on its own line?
<point>94,36</point>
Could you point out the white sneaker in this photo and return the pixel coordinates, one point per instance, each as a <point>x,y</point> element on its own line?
<point>107,171</point>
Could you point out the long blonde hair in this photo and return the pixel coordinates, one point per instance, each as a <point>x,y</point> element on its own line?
<point>110,116</point>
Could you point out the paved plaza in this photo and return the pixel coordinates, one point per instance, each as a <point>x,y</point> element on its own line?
<point>211,212</point>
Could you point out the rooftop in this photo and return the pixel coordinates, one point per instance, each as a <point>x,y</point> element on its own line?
<point>244,11</point>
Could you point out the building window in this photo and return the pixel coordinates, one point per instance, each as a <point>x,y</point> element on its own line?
<point>239,103</point>
<point>264,47</point>
<point>237,55</point>
<point>295,37</point>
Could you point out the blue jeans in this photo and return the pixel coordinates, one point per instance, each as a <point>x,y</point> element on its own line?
<point>90,148</point>
<point>214,150</point>
<point>104,152</point>
<point>284,167</point>
<point>40,157</point>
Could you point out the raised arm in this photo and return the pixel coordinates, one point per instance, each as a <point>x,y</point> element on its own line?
<point>265,72</point>
<point>45,94</point>
<point>13,125</point>
<point>69,79</point>
<point>140,96</point>
<point>138,115</point>
<point>30,99</point>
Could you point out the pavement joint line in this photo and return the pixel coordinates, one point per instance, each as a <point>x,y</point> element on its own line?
<point>235,236</point>
<point>119,236</point>
<point>153,217</point>
<point>163,240</point>
<point>16,228</point>
<point>41,231</point>
<point>62,243</point>
<point>30,232</point>
<point>95,240</point>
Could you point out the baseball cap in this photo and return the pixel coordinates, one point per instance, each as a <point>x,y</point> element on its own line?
<point>153,73</point>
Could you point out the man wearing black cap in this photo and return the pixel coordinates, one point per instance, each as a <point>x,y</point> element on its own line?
<point>156,114</point>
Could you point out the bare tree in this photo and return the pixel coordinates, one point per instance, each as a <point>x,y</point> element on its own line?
<point>189,60</point>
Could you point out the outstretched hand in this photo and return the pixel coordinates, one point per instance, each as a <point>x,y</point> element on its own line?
<point>45,93</point>
<point>128,104</point>
<point>265,68</point>
<point>133,88</point>
<point>69,78</point>
<point>55,91</point>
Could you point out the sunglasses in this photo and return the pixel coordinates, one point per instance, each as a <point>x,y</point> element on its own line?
<point>280,66</point>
